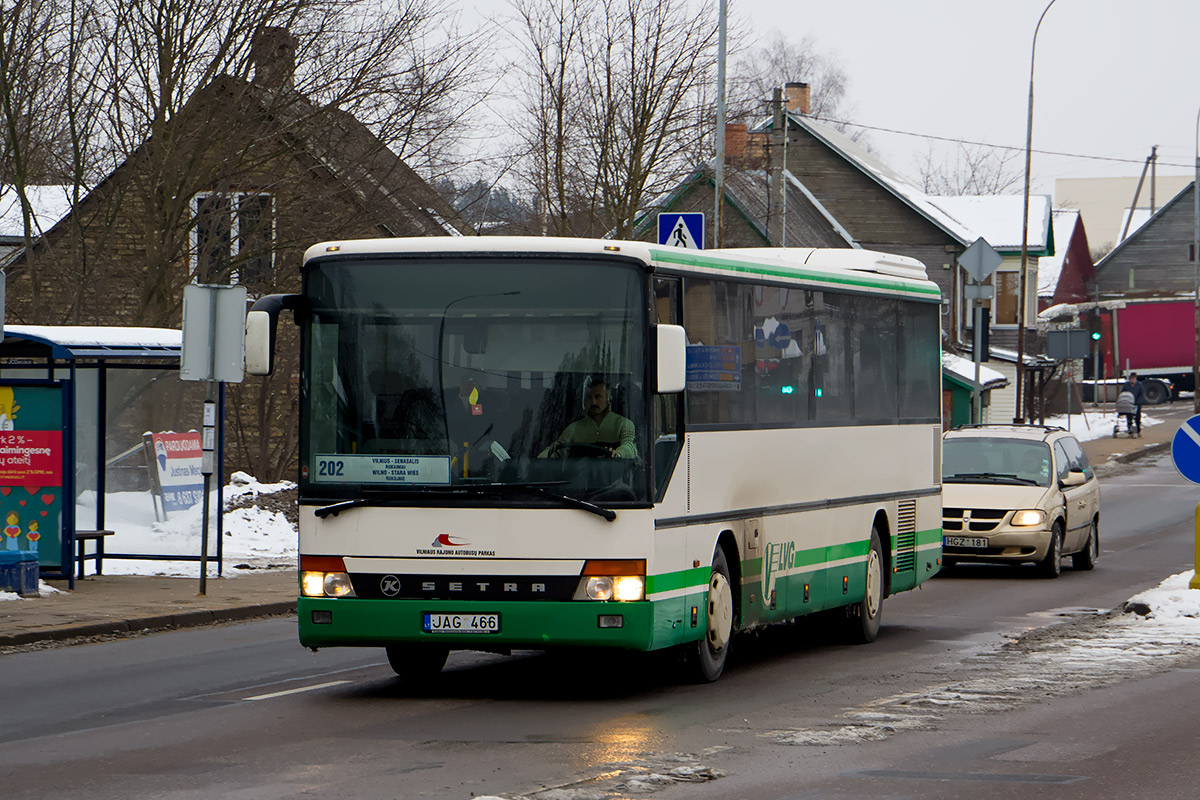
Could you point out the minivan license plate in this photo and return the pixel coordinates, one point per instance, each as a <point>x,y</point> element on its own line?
<point>964,541</point>
<point>461,623</point>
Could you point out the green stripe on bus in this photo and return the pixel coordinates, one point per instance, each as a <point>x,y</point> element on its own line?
<point>840,552</point>
<point>932,536</point>
<point>675,256</point>
<point>670,581</point>
<point>809,558</point>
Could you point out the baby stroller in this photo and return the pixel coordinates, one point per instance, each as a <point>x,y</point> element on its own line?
<point>1127,408</point>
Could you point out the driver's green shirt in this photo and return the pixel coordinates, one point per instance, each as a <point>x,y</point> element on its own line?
<point>612,428</point>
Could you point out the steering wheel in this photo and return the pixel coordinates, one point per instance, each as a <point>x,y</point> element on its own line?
<point>563,449</point>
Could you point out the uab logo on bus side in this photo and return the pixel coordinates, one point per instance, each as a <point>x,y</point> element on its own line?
<point>778,559</point>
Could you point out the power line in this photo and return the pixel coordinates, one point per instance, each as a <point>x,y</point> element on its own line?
<point>994,146</point>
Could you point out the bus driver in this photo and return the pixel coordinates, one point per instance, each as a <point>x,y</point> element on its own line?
<point>602,428</point>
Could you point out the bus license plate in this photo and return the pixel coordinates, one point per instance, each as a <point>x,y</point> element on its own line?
<point>964,541</point>
<point>462,623</point>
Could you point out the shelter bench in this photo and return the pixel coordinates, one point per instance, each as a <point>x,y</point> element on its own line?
<point>81,540</point>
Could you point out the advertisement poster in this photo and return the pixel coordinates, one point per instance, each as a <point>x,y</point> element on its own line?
<point>31,470</point>
<point>178,459</point>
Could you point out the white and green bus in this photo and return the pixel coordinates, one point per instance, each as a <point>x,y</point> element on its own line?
<point>536,443</point>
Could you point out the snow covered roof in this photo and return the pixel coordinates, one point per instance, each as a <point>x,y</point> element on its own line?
<point>99,341</point>
<point>886,177</point>
<point>964,370</point>
<point>999,218</point>
<point>50,204</point>
<point>1050,267</point>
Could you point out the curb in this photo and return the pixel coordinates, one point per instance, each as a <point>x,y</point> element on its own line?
<point>1149,450</point>
<point>189,619</point>
<point>1129,458</point>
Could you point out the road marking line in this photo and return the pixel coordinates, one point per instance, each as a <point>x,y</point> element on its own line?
<point>295,691</point>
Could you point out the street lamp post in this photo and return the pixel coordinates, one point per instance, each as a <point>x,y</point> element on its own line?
<point>1196,271</point>
<point>1020,411</point>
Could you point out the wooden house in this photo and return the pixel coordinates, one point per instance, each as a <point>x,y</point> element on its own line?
<point>1154,260</point>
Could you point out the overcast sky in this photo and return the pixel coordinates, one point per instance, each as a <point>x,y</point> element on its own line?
<point>1111,79</point>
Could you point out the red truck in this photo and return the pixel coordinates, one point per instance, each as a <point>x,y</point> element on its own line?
<point>1154,338</point>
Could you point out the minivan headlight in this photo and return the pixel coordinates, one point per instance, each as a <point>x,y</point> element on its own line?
<point>1028,517</point>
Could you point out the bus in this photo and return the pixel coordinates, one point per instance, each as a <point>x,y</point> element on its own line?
<point>512,443</point>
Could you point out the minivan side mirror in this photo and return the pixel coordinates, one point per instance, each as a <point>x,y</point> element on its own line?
<point>1074,478</point>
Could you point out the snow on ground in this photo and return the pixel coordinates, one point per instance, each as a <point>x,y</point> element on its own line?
<point>1094,424</point>
<point>255,537</point>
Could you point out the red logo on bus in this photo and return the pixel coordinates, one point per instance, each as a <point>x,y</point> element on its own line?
<point>446,540</point>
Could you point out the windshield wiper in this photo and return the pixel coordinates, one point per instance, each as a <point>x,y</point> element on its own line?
<point>394,498</point>
<point>967,477</point>
<point>566,499</point>
<point>388,499</point>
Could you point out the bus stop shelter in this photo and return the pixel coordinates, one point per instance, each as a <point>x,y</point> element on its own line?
<point>82,410</point>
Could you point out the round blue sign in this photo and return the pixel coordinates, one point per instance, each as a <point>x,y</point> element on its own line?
<point>1185,449</point>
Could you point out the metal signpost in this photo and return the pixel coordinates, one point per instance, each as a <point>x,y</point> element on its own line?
<point>214,350</point>
<point>1185,452</point>
<point>979,261</point>
<point>1068,345</point>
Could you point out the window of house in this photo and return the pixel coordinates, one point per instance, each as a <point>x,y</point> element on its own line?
<point>1004,310</point>
<point>233,237</point>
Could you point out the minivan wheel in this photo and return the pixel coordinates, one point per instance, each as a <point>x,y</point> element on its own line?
<point>1051,565</point>
<point>1085,559</point>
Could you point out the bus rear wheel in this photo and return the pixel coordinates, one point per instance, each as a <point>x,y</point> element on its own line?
<point>707,657</point>
<point>416,661</point>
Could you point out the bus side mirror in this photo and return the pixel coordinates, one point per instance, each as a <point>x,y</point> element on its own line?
<point>261,322</point>
<point>671,358</point>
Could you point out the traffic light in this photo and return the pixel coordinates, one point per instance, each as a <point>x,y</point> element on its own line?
<point>1093,324</point>
<point>985,335</point>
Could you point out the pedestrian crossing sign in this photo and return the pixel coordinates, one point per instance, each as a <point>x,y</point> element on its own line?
<point>682,230</point>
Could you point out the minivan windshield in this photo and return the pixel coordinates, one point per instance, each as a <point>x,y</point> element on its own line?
<point>994,459</point>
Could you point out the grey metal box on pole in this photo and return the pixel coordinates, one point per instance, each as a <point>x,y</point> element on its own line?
<point>214,333</point>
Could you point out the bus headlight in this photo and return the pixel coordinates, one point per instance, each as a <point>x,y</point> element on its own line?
<point>622,580</point>
<point>600,588</point>
<point>1027,518</point>
<point>324,576</point>
<point>629,588</point>
<point>326,584</point>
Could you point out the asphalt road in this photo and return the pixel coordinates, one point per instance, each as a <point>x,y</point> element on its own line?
<point>936,708</point>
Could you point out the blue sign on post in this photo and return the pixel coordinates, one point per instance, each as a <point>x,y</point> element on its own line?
<point>1185,449</point>
<point>682,230</point>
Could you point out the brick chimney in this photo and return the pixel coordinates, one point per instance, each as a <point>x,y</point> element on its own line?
<point>273,54</point>
<point>798,97</point>
<point>735,139</point>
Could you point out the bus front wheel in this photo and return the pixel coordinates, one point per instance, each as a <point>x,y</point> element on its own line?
<point>416,661</point>
<point>708,656</point>
<point>862,618</point>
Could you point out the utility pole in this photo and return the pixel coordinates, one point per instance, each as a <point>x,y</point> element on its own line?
<point>722,13</point>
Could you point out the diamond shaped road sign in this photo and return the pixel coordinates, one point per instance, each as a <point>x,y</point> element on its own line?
<point>980,260</point>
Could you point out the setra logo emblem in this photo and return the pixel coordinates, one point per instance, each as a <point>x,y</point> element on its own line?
<point>389,585</point>
<point>446,540</point>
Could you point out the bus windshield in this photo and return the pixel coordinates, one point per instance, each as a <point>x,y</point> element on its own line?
<point>487,380</point>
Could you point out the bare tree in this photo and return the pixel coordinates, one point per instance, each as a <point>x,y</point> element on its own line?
<point>551,40</point>
<point>611,105</point>
<point>972,170</point>
<point>779,60</point>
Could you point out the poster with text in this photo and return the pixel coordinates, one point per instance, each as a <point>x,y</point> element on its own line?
<point>178,458</point>
<point>31,470</point>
